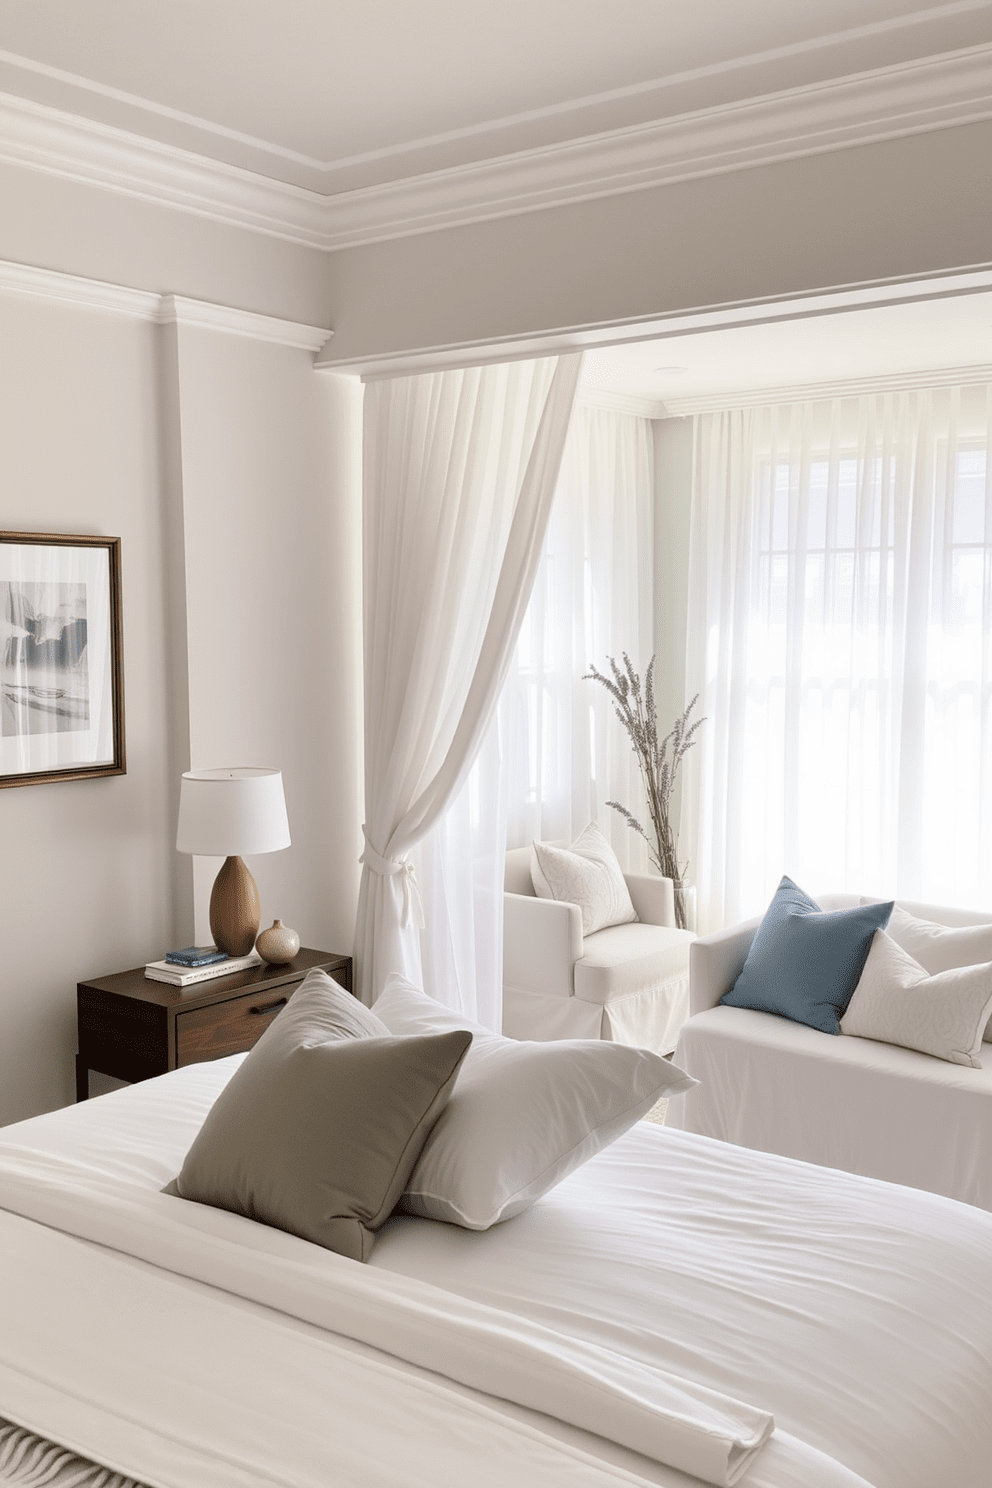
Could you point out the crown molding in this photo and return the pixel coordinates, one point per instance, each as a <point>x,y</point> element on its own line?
<point>853,387</point>
<point>27,281</point>
<point>60,144</point>
<point>910,98</point>
<point>174,308</point>
<point>886,103</point>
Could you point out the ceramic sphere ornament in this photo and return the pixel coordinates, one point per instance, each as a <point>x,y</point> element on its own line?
<point>278,944</point>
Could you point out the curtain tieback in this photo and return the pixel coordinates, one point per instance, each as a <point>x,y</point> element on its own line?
<point>413,909</point>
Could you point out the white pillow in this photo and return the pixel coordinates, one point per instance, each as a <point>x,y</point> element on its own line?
<point>522,1116</point>
<point>896,1002</point>
<point>941,947</point>
<point>587,874</point>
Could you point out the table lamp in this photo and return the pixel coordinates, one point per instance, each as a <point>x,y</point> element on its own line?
<point>222,814</point>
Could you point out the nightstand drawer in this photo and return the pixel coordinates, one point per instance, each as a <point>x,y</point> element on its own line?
<point>227,1027</point>
<point>133,1027</point>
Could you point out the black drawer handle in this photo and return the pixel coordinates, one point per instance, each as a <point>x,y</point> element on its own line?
<point>270,1007</point>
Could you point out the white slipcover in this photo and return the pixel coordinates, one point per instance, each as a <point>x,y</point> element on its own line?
<point>842,1102</point>
<point>626,983</point>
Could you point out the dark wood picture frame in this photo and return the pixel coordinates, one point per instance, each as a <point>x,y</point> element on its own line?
<point>61,658</point>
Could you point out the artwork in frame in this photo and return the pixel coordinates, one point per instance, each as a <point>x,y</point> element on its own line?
<point>61,658</point>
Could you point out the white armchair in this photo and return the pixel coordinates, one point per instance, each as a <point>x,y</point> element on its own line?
<point>627,983</point>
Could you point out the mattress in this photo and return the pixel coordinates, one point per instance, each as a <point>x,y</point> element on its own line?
<point>852,1103</point>
<point>822,1298</point>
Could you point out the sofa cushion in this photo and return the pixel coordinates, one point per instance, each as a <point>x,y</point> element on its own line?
<point>941,947</point>
<point>804,964</point>
<point>626,959</point>
<point>898,1002</point>
<point>587,874</point>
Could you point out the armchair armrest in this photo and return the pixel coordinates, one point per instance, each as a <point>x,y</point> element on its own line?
<point>715,963</point>
<point>542,940</point>
<point>653,898</point>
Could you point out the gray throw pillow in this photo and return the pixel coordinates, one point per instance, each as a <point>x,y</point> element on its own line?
<point>319,1129</point>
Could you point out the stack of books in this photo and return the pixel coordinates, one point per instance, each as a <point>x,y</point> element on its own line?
<point>198,964</point>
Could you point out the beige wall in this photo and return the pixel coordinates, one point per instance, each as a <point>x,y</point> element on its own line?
<point>229,470</point>
<point>911,206</point>
<point>271,520</point>
<point>98,234</point>
<point>86,880</point>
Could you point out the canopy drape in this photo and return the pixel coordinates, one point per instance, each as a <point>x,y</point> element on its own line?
<point>460,469</point>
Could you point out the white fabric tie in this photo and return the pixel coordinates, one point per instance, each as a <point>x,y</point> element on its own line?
<point>413,909</point>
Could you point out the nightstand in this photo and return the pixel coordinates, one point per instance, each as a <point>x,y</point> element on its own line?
<point>131,1027</point>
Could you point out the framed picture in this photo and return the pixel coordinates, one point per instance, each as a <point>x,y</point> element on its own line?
<point>61,658</point>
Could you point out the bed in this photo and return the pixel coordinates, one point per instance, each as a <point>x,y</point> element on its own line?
<point>670,1283</point>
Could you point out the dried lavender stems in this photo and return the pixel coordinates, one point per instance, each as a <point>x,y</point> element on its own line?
<point>658,763</point>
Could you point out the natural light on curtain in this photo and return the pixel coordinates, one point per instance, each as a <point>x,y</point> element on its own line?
<point>565,755</point>
<point>840,636</point>
<point>554,755</point>
<point>460,469</point>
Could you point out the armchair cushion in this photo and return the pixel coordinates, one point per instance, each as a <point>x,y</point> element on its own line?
<point>625,960</point>
<point>587,874</point>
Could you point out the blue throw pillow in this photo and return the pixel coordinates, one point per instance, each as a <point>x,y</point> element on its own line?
<point>805,963</point>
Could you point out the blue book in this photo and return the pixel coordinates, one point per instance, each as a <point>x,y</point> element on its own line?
<point>196,956</point>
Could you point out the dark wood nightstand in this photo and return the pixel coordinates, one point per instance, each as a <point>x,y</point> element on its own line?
<point>131,1027</point>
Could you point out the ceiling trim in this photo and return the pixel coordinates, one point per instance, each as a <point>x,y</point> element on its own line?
<point>213,317</point>
<point>852,387</point>
<point>932,93</point>
<point>27,281</point>
<point>60,144</point>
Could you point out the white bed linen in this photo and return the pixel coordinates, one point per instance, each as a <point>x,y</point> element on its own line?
<point>852,1103</point>
<point>815,1295</point>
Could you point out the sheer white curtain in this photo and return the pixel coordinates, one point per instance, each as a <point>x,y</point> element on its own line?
<point>840,637</point>
<point>459,473</point>
<point>565,753</point>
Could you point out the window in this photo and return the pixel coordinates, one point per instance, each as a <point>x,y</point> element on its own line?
<point>840,633</point>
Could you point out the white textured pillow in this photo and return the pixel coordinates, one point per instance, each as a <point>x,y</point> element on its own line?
<point>522,1115</point>
<point>896,1002</point>
<point>941,947</point>
<point>587,874</point>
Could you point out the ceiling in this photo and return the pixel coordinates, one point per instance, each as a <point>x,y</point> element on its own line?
<point>935,340</point>
<point>334,99</point>
<point>338,94</point>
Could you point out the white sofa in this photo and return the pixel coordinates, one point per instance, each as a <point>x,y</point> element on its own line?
<point>840,1102</point>
<point>627,983</point>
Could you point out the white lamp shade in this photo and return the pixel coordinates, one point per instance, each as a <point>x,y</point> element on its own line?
<point>232,812</point>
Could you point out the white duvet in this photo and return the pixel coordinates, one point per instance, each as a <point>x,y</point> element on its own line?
<point>670,1284</point>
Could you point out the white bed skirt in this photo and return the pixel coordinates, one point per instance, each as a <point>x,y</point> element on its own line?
<point>29,1461</point>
